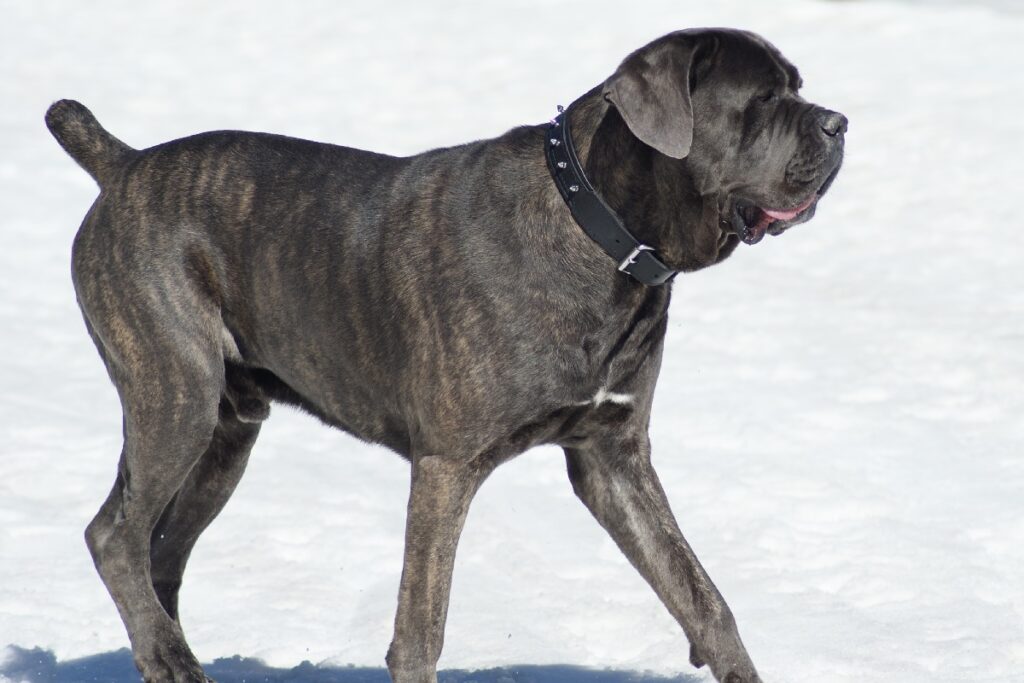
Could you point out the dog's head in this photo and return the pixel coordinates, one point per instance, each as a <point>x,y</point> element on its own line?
<point>728,103</point>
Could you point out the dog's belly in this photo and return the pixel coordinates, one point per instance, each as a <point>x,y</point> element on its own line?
<point>464,397</point>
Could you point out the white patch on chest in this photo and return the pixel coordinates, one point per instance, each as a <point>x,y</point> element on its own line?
<point>605,396</point>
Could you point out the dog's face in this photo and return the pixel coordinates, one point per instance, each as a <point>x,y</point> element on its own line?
<point>727,102</point>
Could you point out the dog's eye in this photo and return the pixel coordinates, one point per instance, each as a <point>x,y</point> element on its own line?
<point>768,96</point>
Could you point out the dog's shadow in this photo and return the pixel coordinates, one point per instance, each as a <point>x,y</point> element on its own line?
<point>39,666</point>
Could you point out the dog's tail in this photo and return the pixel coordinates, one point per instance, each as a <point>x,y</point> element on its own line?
<point>88,143</point>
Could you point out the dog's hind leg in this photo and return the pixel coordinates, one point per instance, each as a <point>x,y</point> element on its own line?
<point>167,427</point>
<point>199,500</point>
<point>161,342</point>
<point>438,503</point>
<point>617,482</point>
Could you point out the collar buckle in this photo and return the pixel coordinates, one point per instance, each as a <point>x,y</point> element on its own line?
<point>631,257</point>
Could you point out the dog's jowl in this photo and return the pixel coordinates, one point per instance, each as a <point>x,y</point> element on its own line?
<point>459,306</point>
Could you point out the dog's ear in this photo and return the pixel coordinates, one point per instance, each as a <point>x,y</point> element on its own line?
<point>651,91</point>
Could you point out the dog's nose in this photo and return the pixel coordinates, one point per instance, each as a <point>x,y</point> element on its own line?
<point>832,123</point>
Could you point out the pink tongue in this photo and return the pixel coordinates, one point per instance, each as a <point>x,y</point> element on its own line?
<point>781,215</point>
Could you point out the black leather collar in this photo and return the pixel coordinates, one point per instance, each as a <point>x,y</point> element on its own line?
<point>591,213</point>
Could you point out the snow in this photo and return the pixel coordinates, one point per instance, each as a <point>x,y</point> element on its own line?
<point>838,418</point>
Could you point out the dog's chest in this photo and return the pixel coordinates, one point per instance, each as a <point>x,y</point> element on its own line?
<point>604,378</point>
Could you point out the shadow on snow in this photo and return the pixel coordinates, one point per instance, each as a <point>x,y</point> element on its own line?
<point>41,666</point>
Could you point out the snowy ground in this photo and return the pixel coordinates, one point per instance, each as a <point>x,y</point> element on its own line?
<point>838,419</point>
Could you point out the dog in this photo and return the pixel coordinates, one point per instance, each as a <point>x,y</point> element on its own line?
<point>458,306</point>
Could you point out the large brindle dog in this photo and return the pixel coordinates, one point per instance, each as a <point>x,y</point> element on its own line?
<point>459,306</point>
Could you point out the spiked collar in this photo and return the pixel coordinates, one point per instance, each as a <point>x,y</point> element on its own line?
<point>591,212</point>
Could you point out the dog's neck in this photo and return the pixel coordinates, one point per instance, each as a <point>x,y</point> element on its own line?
<point>674,218</point>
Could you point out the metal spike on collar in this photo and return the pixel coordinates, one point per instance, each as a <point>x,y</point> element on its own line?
<point>555,122</point>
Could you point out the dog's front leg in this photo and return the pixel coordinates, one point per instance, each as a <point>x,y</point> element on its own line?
<point>616,481</point>
<point>438,502</point>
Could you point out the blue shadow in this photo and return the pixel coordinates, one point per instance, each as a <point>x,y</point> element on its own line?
<point>41,666</point>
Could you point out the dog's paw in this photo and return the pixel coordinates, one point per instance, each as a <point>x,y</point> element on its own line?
<point>735,668</point>
<point>719,647</point>
<point>732,674</point>
<point>734,677</point>
<point>170,662</point>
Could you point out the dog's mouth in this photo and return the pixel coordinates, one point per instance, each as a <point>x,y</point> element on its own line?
<point>752,222</point>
